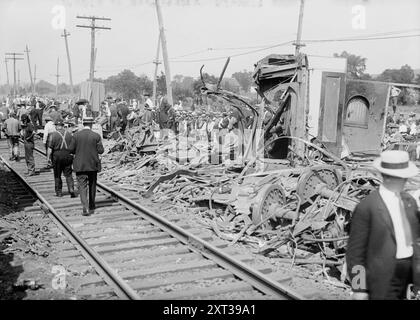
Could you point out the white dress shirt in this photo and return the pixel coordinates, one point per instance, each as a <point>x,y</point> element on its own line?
<point>413,129</point>
<point>150,103</point>
<point>49,127</point>
<point>392,202</point>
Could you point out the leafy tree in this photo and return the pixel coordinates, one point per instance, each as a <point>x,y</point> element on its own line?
<point>356,65</point>
<point>245,79</point>
<point>128,85</point>
<point>403,75</point>
<point>145,84</point>
<point>63,88</point>
<point>231,84</point>
<point>178,78</point>
<point>182,87</point>
<point>44,87</point>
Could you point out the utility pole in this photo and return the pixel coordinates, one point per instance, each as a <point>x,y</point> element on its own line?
<point>7,72</point>
<point>157,63</point>
<point>12,56</point>
<point>65,35</point>
<point>94,62</point>
<point>57,76</point>
<point>18,80</point>
<point>165,52</point>
<point>29,67</point>
<point>93,28</point>
<point>298,43</point>
<point>34,79</point>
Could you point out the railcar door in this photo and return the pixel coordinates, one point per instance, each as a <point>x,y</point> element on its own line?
<point>331,111</point>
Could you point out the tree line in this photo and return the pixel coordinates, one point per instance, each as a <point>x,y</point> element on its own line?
<point>356,67</point>
<point>128,85</point>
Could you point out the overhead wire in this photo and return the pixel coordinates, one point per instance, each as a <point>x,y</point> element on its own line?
<point>360,39</point>
<point>375,36</point>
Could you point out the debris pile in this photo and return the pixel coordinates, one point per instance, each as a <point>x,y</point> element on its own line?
<point>282,195</point>
<point>33,238</point>
<point>298,214</point>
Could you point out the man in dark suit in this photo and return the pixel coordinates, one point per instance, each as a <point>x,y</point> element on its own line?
<point>86,147</point>
<point>383,253</point>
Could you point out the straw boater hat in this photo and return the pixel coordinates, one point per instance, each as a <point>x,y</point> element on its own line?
<point>396,163</point>
<point>88,120</point>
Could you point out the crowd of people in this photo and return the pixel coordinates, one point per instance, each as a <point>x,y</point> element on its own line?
<point>72,132</point>
<point>403,132</point>
<point>69,146</point>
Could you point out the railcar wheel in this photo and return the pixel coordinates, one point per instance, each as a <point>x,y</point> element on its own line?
<point>310,180</point>
<point>270,196</point>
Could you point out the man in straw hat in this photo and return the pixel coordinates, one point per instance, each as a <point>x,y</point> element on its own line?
<point>86,147</point>
<point>383,254</point>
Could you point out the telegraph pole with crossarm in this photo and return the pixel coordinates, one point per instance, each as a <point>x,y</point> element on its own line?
<point>29,67</point>
<point>7,72</point>
<point>65,35</point>
<point>14,56</point>
<point>93,28</point>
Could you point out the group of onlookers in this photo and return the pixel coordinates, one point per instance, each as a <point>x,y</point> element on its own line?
<point>67,149</point>
<point>402,133</point>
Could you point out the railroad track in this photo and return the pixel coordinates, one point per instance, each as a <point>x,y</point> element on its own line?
<point>138,254</point>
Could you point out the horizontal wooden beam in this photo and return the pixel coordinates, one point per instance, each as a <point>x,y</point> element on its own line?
<point>93,17</point>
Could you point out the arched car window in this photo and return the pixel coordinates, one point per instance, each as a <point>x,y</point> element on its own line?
<point>357,112</point>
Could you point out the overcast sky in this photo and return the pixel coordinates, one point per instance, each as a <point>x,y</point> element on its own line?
<point>228,27</point>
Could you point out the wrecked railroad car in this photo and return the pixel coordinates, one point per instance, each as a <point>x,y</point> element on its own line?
<point>312,99</point>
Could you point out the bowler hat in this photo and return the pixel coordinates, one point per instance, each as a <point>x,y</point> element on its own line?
<point>82,101</point>
<point>396,163</point>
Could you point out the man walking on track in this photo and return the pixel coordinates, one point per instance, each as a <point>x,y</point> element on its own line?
<point>86,146</point>
<point>12,128</point>
<point>383,253</point>
<point>62,160</point>
<point>28,132</point>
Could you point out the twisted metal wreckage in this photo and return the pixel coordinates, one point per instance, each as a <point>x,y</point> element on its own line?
<point>306,198</point>
<point>291,196</point>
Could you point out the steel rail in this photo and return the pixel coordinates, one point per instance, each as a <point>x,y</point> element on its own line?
<point>256,278</point>
<point>110,276</point>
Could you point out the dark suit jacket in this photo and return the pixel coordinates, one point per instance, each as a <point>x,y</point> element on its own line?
<point>372,243</point>
<point>86,147</point>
